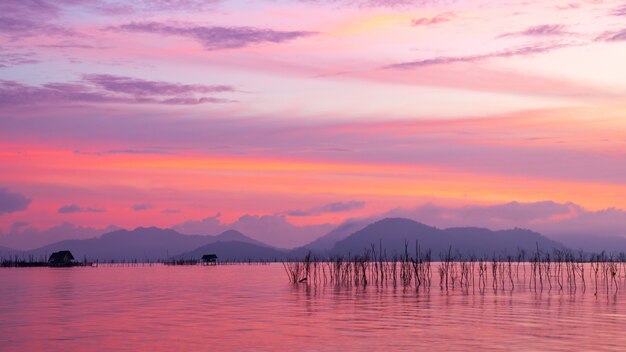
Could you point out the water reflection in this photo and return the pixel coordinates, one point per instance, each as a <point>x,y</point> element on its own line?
<point>254,308</point>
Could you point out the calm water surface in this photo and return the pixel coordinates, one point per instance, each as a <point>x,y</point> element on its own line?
<point>255,308</point>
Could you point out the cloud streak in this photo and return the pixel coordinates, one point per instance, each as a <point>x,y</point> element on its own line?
<point>75,208</point>
<point>140,87</point>
<point>18,27</point>
<point>546,30</point>
<point>444,60</point>
<point>613,36</point>
<point>8,59</point>
<point>428,21</point>
<point>142,207</point>
<point>337,207</point>
<point>215,37</point>
<point>99,88</point>
<point>619,11</point>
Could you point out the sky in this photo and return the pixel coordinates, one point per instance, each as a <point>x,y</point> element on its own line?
<point>294,116</point>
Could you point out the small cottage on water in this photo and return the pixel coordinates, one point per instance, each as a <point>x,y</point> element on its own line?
<point>61,258</point>
<point>209,259</point>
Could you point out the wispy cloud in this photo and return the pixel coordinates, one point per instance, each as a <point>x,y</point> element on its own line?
<point>75,208</point>
<point>11,201</point>
<point>337,207</point>
<point>612,36</point>
<point>545,30</point>
<point>427,21</point>
<point>142,206</point>
<point>442,60</point>
<point>215,37</point>
<point>111,89</point>
<point>372,3</point>
<point>31,9</point>
<point>619,11</point>
<point>19,27</point>
<point>121,151</point>
<point>568,6</point>
<point>170,211</point>
<point>115,8</point>
<point>140,87</point>
<point>9,59</point>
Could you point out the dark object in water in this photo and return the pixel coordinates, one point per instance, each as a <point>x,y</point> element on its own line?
<point>209,259</point>
<point>303,279</point>
<point>61,258</point>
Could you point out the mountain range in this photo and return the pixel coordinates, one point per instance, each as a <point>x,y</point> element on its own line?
<point>390,234</point>
<point>142,244</point>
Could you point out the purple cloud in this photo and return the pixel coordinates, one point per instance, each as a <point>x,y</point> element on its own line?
<point>142,206</point>
<point>11,202</point>
<point>337,207</point>
<point>16,226</point>
<point>170,211</point>
<point>121,151</point>
<point>372,3</point>
<point>139,6</point>
<point>620,11</point>
<point>140,87</point>
<point>69,44</point>
<point>74,208</point>
<point>32,9</point>
<point>427,21</point>
<point>569,6</point>
<point>110,89</point>
<point>539,31</point>
<point>442,60</point>
<point>18,27</point>
<point>49,9</point>
<point>612,36</point>
<point>215,37</point>
<point>15,59</point>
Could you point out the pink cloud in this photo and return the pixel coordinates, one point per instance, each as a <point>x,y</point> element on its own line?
<point>428,21</point>
<point>215,37</point>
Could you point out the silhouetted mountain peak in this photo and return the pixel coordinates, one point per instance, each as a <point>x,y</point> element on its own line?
<point>393,233</point>
<point>234,235</point>
<point>141,232</point>
<point>395,223</point>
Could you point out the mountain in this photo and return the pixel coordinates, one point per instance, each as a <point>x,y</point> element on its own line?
<point>235,251</point>
<point>234,235</point>
<point>328,240</point>
<point>392,233</point>
<point>142,243</point>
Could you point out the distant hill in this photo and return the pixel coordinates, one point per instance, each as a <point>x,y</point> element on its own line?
<point>392,233</point>
<point>328,241</point>
<point>153,243</point>
<point>142,243</point>
<point>235,251</point>
<point>234,235</point>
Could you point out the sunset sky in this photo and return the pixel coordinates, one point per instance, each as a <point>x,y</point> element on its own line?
<point>311,112</point>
